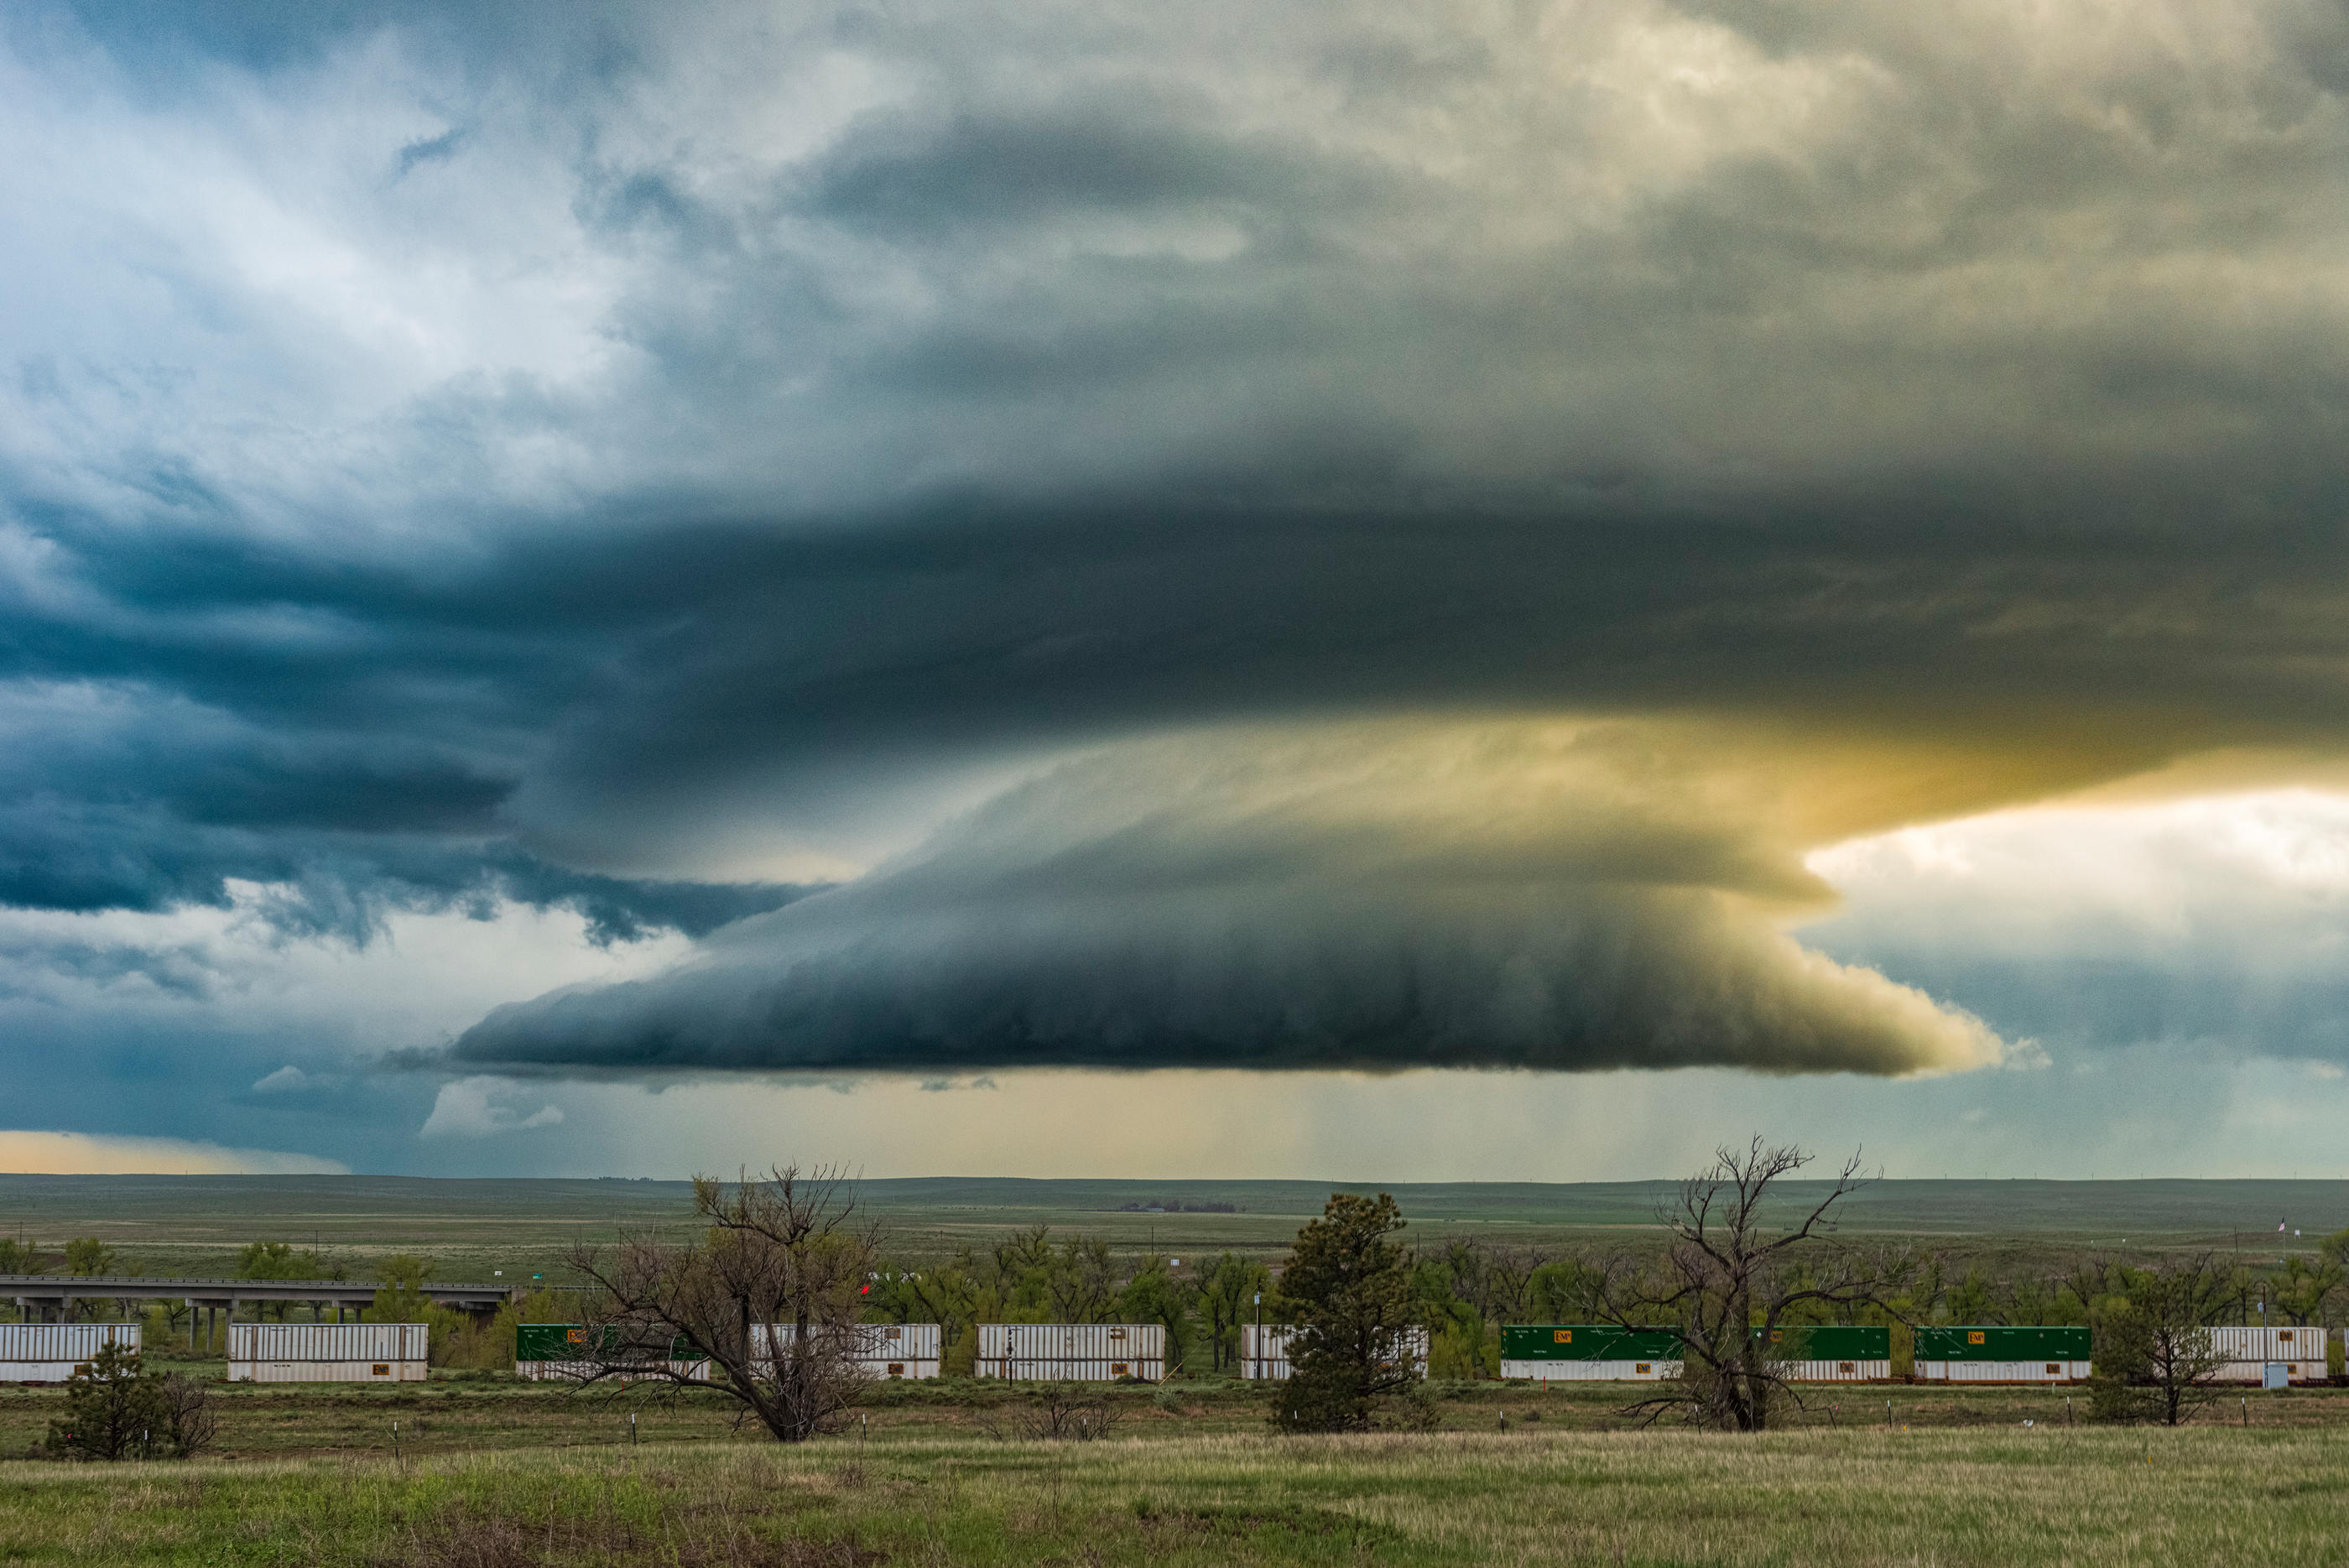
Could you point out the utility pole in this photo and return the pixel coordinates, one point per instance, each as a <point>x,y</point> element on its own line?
<point>1259,1336</point>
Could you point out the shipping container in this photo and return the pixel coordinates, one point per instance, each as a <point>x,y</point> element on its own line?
<point>1265,1354</point>
<point>49,1352</point>
<point>2246,1354</point>
<point>557,1351</point>
<point>568,1341</point>
<point>1056,1369</point>
<point>891,1341</point>
<point>581,1371</point>
<point>1989,1353</point>
<point>327,1341</point>
<point>328,1372</point>
<point>1588,1353</point>
<point>1657,1369</point>
<point>329,1352</point>
<point>1072,1342</point>
<point>883,1349</point>
<point>1833,1353</point>
<point>1824,1352</point>
<point>902,1349</point>
<point>550,1341</point>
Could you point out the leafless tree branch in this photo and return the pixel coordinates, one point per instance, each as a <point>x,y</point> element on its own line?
<point>768,1302</point>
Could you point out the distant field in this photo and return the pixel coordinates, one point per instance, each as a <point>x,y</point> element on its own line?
<point>194,1225</point>
<point>1992,1498</point>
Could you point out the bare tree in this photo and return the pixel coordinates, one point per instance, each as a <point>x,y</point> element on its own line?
<point>1055,1411</point>
<point>1494,1280</point>
<point>769,1298</point>
<point>189,1422</point>
<point>1506,1284</point>
<point>1729,1285</point>
<point>1080,1283</point>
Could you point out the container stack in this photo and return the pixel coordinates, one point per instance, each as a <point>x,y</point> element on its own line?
<point>2270,1357</point>
<point>50,1351</point>
<point>1264,1352</point>
<point>880,1350</point>
<point>329,1352</point>
<point>1994,1354</point>
<point>558,1352</point>
<point>1833,1353</point>
<point>1588,1353</point>
<point>1072,1352</point>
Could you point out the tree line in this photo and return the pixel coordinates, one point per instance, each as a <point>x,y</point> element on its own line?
<point>770,1291</point>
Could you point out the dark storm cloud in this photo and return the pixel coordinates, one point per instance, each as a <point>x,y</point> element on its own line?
<point>734,440</point>
<point>1350,895</point>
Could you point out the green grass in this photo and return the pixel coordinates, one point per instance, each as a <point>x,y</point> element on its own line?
<point>478,1413</point>
<point>2010,1496</point>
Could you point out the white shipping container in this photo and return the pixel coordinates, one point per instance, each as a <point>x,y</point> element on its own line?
<point>2001,1371</point>
<point>69,1342</point>
<point>1071,1341</point>
<point>1836,1371</point>
<point>1046,1369</point>
<point>1592,1371</point>
<point>2247,1353</point>
<point>581,1371</point>
<point>50,1351</point>
<point>885,1368</point>
<point>902,1342</point>
<point>328,1372</point>
<point>1265,1354</point>
<point>329,1352</point>
<point>881,1346</point>
<point>329,1341</point>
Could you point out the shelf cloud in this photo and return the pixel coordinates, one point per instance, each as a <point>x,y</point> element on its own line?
<point>1568,897</point>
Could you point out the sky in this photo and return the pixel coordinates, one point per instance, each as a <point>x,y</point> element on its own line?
<point>1428,591</point>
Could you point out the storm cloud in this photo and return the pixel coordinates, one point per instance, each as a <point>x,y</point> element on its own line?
<point>1073,481</point>
<point>1381,896</point>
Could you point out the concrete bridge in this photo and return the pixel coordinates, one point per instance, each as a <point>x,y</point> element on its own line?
<point>49,1298</point>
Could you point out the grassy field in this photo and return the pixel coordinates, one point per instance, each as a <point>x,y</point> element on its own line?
<point>459,1413</point>
<point>196,1225</point>
<point>2010,1496</point>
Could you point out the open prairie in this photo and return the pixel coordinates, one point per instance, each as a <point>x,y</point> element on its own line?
<point>197,1225</point>
<point>2004,1497</point>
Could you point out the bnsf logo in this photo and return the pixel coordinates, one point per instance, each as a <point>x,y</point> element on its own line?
<point>1564,1336</point>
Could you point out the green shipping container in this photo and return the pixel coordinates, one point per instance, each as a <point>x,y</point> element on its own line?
<point>1588,1342</point>
<point>1990,1342</point>
<point>568,1341</point>
<point>1835,1342</point>
<point>549,1341</point>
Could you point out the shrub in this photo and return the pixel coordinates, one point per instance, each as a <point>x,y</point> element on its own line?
<point>116,1409</point>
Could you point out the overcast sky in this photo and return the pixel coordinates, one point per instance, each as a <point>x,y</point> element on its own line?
<point>1421,590</point>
